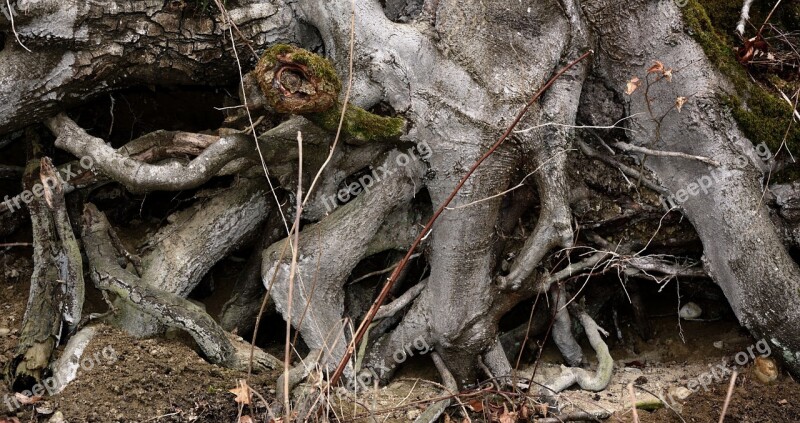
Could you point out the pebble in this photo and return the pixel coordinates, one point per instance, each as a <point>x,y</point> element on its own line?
<point>58,417</point>
<point>690,311</point>
<point>718,345</point>
<point>680,393</point>
<point>413,414</point>
<point>5,331</point>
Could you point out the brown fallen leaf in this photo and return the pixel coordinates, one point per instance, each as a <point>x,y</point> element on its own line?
<point>242,392</point>
<point>632,85</point>
<point>476,405</point>
<point>656,68</point>
<point>508,416</point>
<point>668,74</point>
<point>246,419</point>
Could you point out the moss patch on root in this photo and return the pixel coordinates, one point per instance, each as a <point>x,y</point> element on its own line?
<point>361,125</point>
<point>316,96</point>
<point>762,115</point>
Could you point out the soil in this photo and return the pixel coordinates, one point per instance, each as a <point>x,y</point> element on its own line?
<point>165,380</point>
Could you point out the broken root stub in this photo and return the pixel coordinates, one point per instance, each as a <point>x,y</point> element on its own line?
<point>296,81</point>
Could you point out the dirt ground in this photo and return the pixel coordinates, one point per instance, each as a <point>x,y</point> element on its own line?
<point>165,380</point>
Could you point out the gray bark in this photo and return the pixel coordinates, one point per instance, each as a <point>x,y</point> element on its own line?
<point>457,73</point>
<point>81,48</point>
<point>743,251</point>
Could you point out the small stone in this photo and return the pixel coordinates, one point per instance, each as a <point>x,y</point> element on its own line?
<point>680,393</point>
<point>412,414</point>
<point>45,408</point>
<point>58,417</point>
<point>718,345</point>
<point>5,331</point>
<point>690,311</point>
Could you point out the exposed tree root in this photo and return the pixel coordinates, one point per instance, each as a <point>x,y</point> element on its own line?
<point>328,251</point>
<point>562,328</point>
<point>41,325</point>
<point>572,375</point>
<point>166,307</point>
<point>139,176</point>
<point>434,411</point>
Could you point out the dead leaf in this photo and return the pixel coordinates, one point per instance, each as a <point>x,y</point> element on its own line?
<point>633,84</point>
<point>246,419</point>
<point>508,416</point>
<point>668,74</point>
<point>12,420</point>
<point>679,102</point>
<point>476,405</point>
<point>242,392</point>
<point>783,402</point>
<point>26,400</point>
<point>656,68</point>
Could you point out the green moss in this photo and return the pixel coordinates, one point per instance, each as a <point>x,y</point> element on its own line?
<point>318,66</point>
<point>361,125</point>
<point>762,115</point>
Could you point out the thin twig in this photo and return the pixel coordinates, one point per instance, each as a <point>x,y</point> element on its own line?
<point>292,271</point>
<point>16,244</point>
<point>728,396</point>
<point>362,329</point>
<point>768,18</point>
<point>13,27</point>
<point>614,126</point>
<point>633,403</point>
<point>630,147</point>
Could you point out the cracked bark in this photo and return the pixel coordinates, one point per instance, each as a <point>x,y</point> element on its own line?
<point>83,48</point>
<point>168,308</point>
<point>457,74</point>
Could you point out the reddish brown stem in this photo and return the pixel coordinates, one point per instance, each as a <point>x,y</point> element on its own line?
<point>362,329</point>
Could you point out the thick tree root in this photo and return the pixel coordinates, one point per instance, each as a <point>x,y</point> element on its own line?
<point>433,412</point>
<point>168,308</point>
<point>328,252</point>
<point>572,375</point>
<point>68,259</point>
<point>41,325</point>
<point>138,176</point>
<point>562,328</point>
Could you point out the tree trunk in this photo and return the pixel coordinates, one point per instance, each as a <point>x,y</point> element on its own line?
<point>452,79</point>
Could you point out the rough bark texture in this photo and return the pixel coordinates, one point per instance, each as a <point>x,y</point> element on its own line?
<point>743,252</point>
<point>81,48</point>
<point>457,73</point>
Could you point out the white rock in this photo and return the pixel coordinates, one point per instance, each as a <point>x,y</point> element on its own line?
<point>413,414</point>
<point>690,311</point>
<point>58,417</point>
<point>680,393</point>
<point>718,345</point>
<point>5,331</point>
